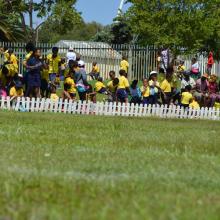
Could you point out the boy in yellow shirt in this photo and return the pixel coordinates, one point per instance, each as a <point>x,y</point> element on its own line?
<point>54,62</point>
<point>100,87</point>
<point>69,88</point>
<point>166,89</point>
<point>194,104</point>
<point>145,91</point>
<point>53,95</point>
<point>186,97</point>
<point>44,81</point>
<point>181,68</point>
<point>124,65</point>
<point>123,87</point>
<point>95,71</point>
<point>112,86</point>
<point>17,90</point>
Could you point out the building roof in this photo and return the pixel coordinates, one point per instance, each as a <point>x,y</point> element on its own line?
<point>89,49</point>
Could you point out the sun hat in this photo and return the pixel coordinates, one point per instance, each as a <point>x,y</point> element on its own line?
<point>81,63</point>
<point>153,73</point>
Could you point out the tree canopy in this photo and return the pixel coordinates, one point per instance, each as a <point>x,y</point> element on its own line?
<point>62,12</point>
<point>188,24</point>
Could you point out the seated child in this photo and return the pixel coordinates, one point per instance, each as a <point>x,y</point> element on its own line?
<point>181,68</point>
<point>17,90</point>
<point>186,97</point>
<point>112,89</point>
<point>135,93</point>
<point>100,87</point>
<point>95,71</point>
<point>194,103</point>
<point>53,96</point>
<point>145,91</point>
<point>112,86</point>
<point>90,94</point>
<point>69,88</point>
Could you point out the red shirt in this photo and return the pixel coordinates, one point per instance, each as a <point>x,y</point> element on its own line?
<point>210,59</point>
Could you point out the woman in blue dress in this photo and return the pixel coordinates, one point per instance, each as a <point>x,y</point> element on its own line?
<point>34,67</point>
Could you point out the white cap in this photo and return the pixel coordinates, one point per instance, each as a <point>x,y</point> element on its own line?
<point>153,72</point>
<point>70,49</point>
<point>81,63</point>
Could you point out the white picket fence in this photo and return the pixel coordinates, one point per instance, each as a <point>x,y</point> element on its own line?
<point>107,109</point>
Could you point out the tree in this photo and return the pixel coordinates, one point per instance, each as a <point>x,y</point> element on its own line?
<point>121,30</point>
<point>188,24</point>
<point>117,33</point>
<point>83,31</point>
<point>62,12</point>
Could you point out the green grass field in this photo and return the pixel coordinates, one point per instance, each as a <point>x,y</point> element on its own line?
<point>56,166</point>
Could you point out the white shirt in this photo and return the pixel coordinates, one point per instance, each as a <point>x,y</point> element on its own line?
<point>70,56</point>
<point>185,83</point>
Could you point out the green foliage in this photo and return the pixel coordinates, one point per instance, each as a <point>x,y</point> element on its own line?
<point>189,24</point>
<point>60,12</point>
<point>117,33</point>
<point>82,31</point>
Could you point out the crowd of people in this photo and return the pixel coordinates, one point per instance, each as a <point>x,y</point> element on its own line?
<point>168,85</point>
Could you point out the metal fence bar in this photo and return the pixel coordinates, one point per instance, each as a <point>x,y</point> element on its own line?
<point>142,59</point>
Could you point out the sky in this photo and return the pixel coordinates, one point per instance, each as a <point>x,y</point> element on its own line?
<point>102,11</point>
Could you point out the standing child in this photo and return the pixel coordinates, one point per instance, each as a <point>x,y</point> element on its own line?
<point>145,91</point>
<point>210,63</point>
<point>124,65</point>
<point>44,81</point>
<point>135,93</point>
<point>166,89</point>
<point>123,87</point>
<point>186,97</point>
<point>112,86</point>
<point>95,71</point>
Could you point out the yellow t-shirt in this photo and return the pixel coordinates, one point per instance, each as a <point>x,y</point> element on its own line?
<point>72,86</point>
<point>13,60</point>
<point>14,92</point>
<point>145,92</point>
<point>54,97</point>
<point>53,63</point>
<point>95,69</point>
<point>165,86</point>
<point>124,65</point>
<point>27,57</point>
<point>194,105</point>
<point>45,74</point>
<point>181,68</point>
<point>123,82</point>
<point>6,56</point>
<point>186,98</point>
<point>99,86</point>
<point>111,87</point>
